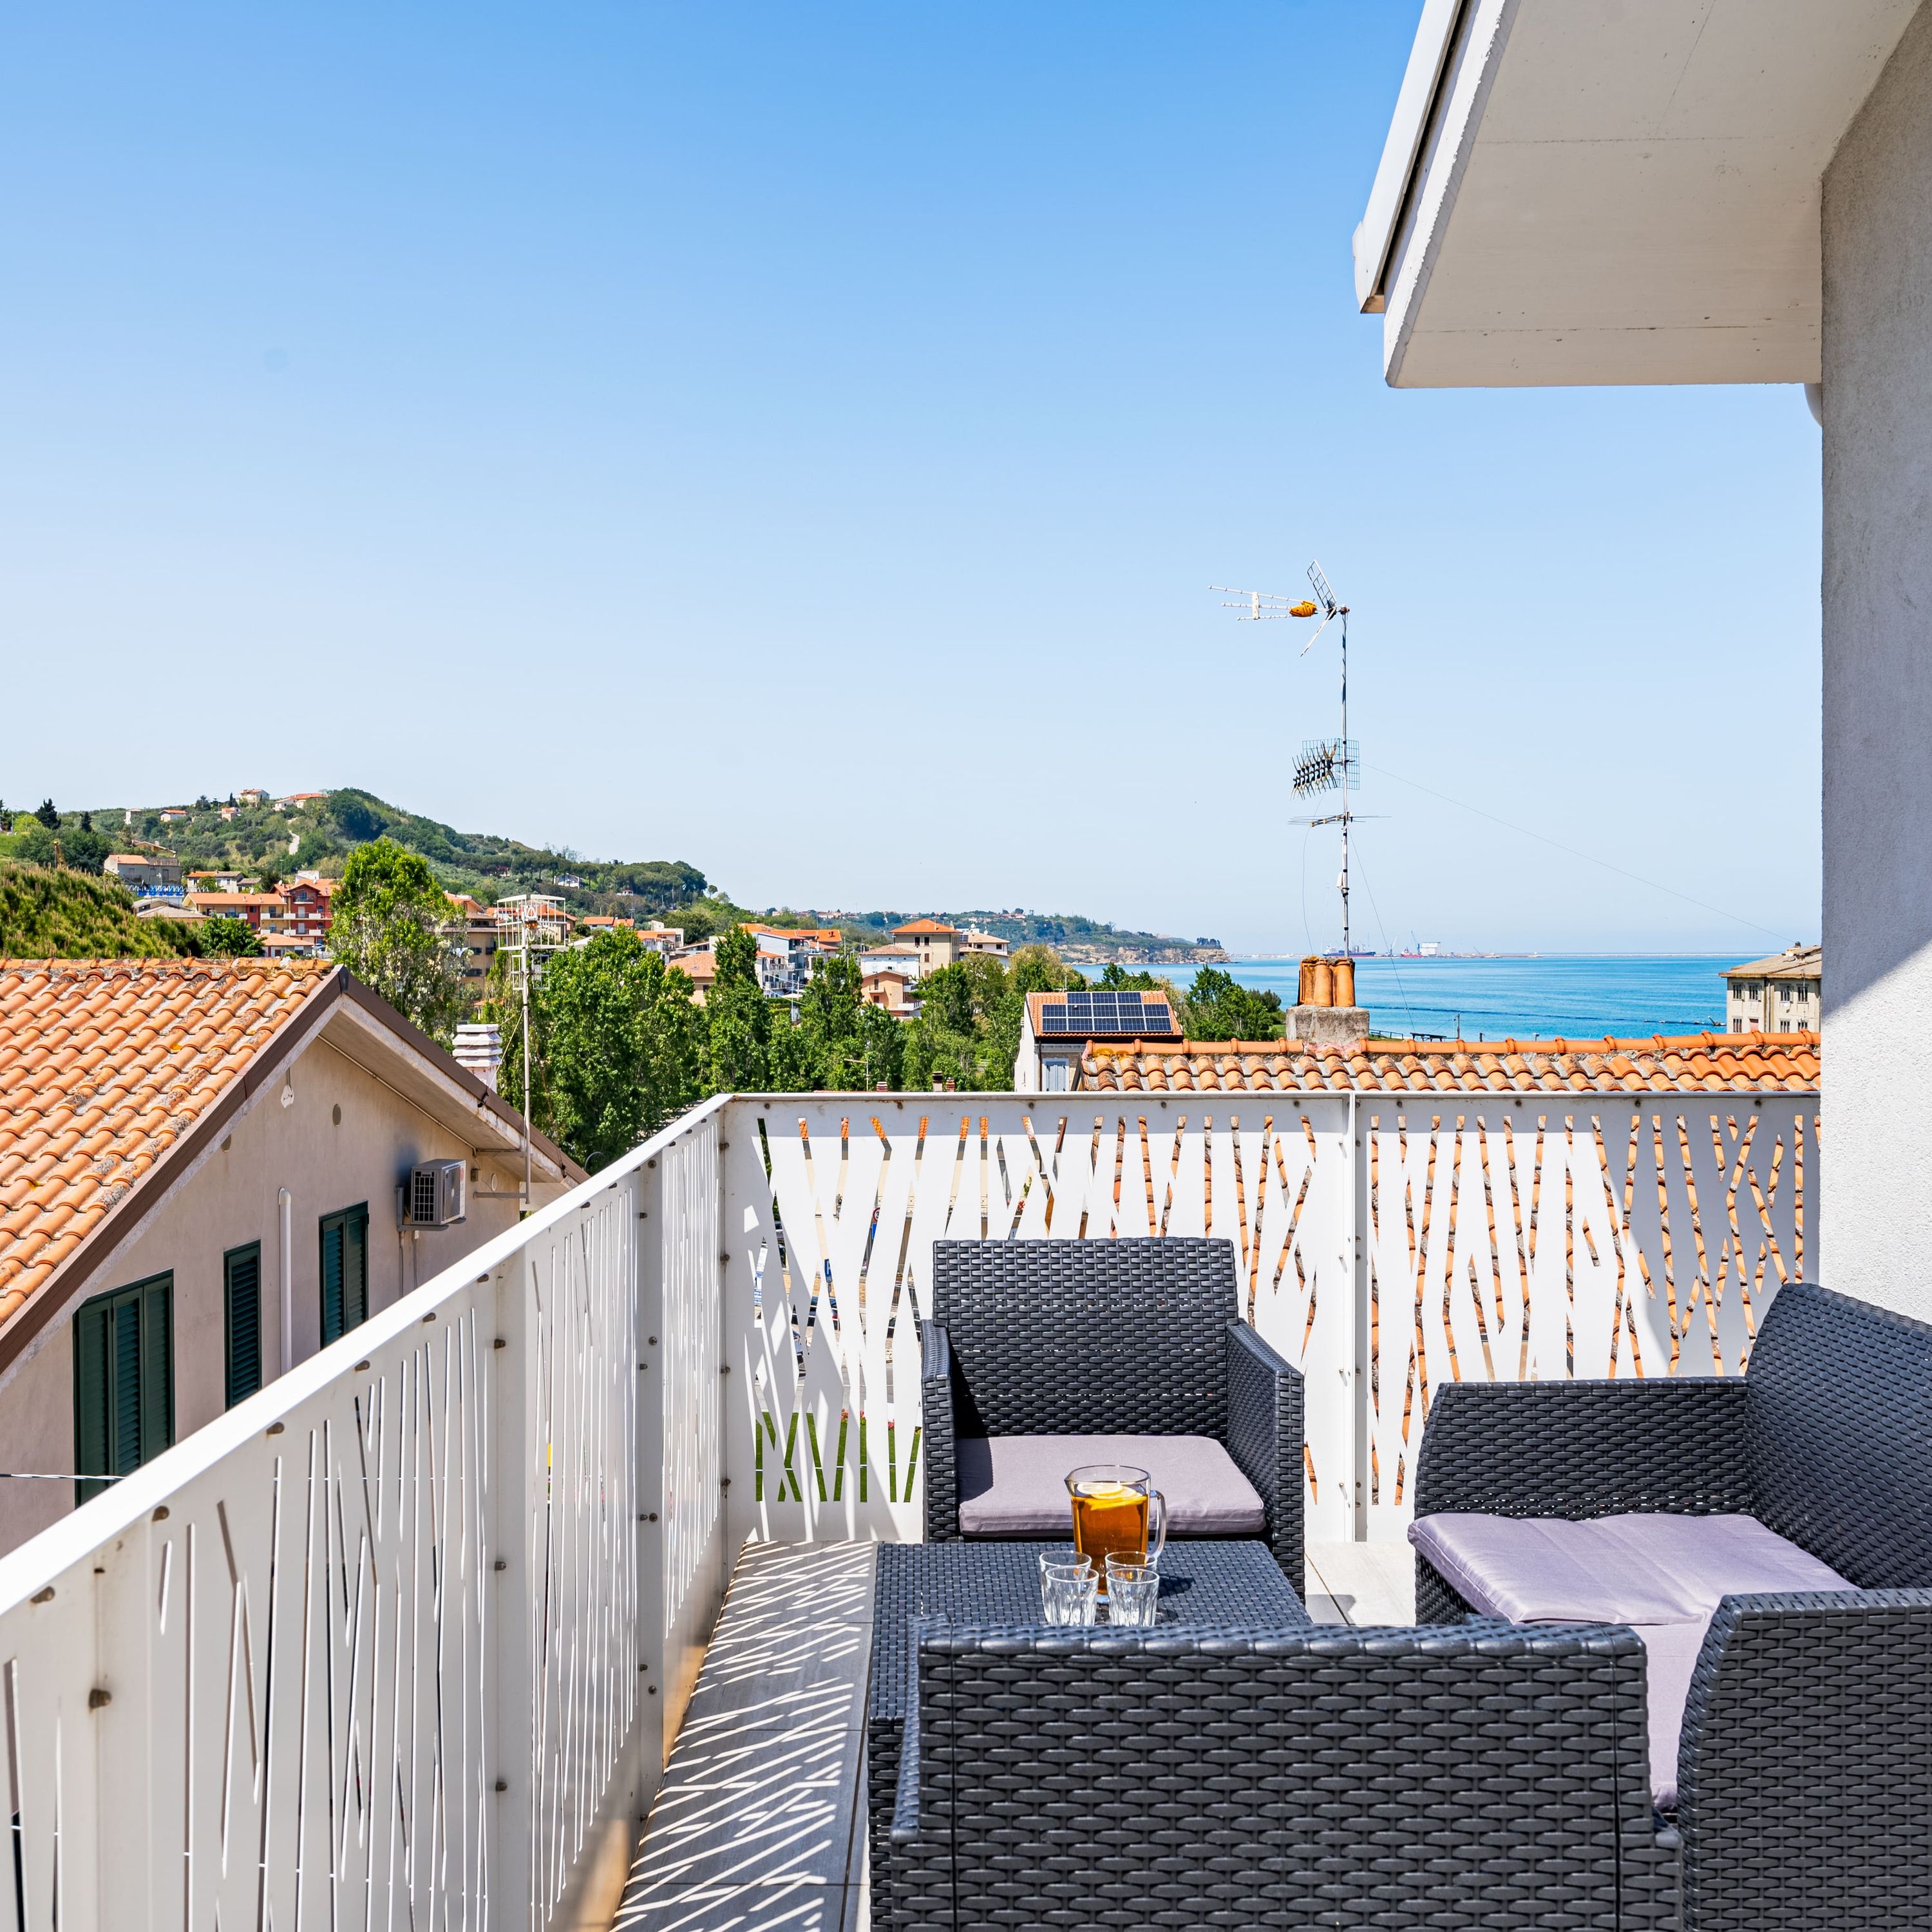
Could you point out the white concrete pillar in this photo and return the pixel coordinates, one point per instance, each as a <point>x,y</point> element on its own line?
<point>1875,1215</point>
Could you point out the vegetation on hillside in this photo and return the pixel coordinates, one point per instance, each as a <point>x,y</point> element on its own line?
<point>49,914</point>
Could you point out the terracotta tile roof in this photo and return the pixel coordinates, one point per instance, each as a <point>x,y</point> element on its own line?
<point>104,1064</point>
<point>932,928</point>
<point>1709,1062</point>
<point>1795,962</point>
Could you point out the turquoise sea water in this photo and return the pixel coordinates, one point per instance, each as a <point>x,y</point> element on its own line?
<point>1570,995</point>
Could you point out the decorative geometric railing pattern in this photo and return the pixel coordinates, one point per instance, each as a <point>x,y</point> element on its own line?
<point>1386,1244</point>
<point>371,1650</point>
<point>1559,1235</point>
<point>835,1203</point>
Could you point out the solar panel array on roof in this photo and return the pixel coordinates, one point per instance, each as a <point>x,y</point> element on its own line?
<point>1110,1013</point>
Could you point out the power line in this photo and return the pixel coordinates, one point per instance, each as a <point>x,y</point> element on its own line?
<point>1589,858</point>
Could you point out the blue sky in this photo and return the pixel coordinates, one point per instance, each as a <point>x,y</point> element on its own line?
<point>799,440</point>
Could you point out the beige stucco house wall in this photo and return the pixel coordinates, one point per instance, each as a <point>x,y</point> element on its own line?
<point>340,1123</point>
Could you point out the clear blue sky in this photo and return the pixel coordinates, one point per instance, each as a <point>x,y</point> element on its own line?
<point>800,439</point>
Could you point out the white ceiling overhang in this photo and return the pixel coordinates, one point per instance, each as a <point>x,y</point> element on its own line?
<point>1622,191</point>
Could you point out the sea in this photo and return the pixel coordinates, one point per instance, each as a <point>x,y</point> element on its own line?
<point>1567,995</point>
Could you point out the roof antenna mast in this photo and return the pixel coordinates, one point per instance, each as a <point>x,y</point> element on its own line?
<point>1324,763</point>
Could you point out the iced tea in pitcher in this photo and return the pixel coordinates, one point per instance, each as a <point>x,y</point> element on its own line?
<point>1117,1512</point>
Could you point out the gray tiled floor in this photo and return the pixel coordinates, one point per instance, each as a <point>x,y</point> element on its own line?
<point>759,1825</point>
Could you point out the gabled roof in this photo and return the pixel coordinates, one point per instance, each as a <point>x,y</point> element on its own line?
<point>931,928</point>
<point>115,1075</point>
<point>1707,1062</point>
<point>1795,962</point>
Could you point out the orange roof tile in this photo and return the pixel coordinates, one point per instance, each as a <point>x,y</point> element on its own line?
<point>104,1064</point>
<point>932,927</point>
<point>1704,1062</point>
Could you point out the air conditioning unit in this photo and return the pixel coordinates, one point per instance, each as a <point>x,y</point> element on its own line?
<point>434,1196</point>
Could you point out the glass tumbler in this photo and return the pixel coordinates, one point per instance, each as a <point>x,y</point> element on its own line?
<point>1133,1592</point>
<point>1069,1587</point>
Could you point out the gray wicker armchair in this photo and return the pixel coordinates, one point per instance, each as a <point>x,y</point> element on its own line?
<point>1138,1337</point>
<point>1482,1776</point>
<point>1805,1766</point>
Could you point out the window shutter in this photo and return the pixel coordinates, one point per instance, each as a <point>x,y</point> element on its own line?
<point>123,1397</point>
<point>331,1279</point>
<point>90,1398</point>
<point>242,1269</point>
<point>345,1271</point>
<point>355,1267</point>
<point>157,1397</point>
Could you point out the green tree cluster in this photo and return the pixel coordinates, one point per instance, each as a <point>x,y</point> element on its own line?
<point>1219,1007</point>
<point>616,1043</point>
<point>391,925</point>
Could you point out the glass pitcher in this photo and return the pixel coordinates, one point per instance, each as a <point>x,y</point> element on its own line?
<point>1117,1512</point>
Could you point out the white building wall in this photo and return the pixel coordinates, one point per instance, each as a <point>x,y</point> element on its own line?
<point>326,1162</point>
<point>1876,1211</point>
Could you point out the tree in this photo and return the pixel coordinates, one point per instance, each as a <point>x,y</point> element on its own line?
<point>79,851</point>
<point>223,938</point>
<point>48,816</point>
<point>614,1046</point>
<point>738,1020</point>
<point>390,926</point>
<point>968,1027</point>
<point>1219,1007</point>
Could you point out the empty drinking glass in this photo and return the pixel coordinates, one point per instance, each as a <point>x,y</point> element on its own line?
<point>1133,1592</point>
<point>1068,1587</point>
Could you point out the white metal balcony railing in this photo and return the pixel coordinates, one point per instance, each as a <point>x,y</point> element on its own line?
<point>401,1640</point>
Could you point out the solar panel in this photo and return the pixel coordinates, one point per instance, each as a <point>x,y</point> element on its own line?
<point>1108,1012</point>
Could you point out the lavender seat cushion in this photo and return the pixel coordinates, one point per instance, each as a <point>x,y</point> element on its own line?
<point>1663,1575</point>
<point>1016,1486</point>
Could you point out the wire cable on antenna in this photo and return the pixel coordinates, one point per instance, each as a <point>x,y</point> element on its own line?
<point>1590,858</point>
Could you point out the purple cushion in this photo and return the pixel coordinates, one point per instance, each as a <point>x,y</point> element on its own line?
<point>1016,1486</point>
<point>1663,1575</point>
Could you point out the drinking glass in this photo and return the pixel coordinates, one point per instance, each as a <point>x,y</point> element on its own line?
<point>1068,1586</point>
<point>1133,1592</point>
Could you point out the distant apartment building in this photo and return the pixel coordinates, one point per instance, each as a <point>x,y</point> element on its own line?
<point>144,871</point>
<point>251,795</point>
<point>894,991</point>
<point>305,908</point>
<point>259,911</point>
<point>699,965</point>
<point>936,943</point>
<point>1778,994</point>
<point>668,940</point>
<point>788,956</point>
<point>989,944</point>
<point>901,958</point>
<point>291,922</point>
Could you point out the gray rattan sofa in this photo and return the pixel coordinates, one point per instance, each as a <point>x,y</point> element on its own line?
<point>1805,1766</point>
<point>1124,1339</point>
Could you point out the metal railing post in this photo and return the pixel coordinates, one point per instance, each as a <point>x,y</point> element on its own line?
<point>653,1739</point>
<point>510,1768</point>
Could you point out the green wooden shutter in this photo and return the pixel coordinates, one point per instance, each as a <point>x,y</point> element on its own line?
<point>331,1279</point>
<point>242,1299</point>
<point>158,1368</point>
<point>345,1271</point>
<point>124,1395</point>
<point>355,1267</point>
<point>90,1397</point>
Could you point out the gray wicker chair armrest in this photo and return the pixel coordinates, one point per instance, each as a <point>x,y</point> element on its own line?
<point>1265,1436</point>
<point>1804,1773</point>
<point>1298,1777</point>
<point>1580,1450</point>
<point>942,1467</point>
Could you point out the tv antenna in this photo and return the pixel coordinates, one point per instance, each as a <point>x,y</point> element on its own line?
<point>1323,764</point>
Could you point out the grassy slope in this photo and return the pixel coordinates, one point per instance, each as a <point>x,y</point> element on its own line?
<point>51,915</point>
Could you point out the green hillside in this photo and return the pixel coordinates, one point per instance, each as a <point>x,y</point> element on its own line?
<point>60,915</point>
<point>267,842</point>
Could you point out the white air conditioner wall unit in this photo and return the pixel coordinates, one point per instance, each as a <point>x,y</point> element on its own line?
<point>435,1194</point>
